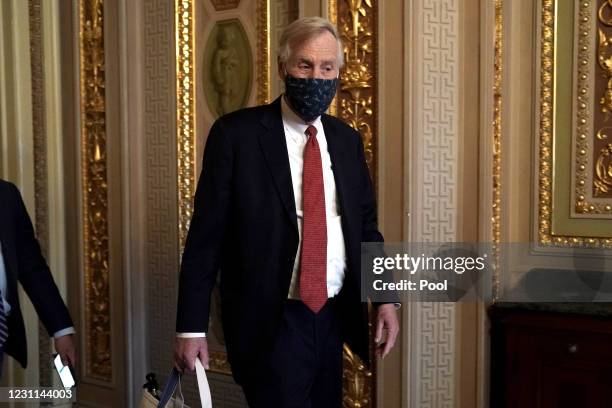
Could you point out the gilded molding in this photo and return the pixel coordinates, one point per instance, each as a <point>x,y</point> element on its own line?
<point>497,139</point>
<point>185,113</point>
<point>357,381</point>
<point>263,51</point>
<point>332,11</point>
<point>603,55</point>
<point>603,172</point>
<point>601,180</point>
<point>545,143</point>
<point>582,110</point>
<point>218,363</point>
<point>356,100</point>
<point>332,15</point>
<point>546,121</point>
<point>94,190</point>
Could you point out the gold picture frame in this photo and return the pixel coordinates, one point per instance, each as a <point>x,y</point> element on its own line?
<point>565,215</point>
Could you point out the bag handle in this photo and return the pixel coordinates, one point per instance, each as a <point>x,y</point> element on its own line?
<point>175,378</point>
<point>171,383</point>
<point>205,398</point>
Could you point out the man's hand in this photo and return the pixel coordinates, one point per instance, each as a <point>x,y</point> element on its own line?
<point>386,320</point>
<point>64,346</point>
<point>186,349</point>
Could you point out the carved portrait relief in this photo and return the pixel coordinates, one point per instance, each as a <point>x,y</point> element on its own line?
<point>227,68</point>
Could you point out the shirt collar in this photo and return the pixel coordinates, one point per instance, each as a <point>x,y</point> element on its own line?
<point>294,122</point>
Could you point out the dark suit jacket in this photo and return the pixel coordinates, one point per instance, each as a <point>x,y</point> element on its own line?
<point>245,225</point>
<point>25,263</point>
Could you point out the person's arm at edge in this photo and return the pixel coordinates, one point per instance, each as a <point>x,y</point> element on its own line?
<point>386,315</point>
<point>200,261</point>
<point>37,281</point>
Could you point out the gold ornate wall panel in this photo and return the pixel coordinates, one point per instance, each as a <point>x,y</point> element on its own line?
<point>356,100</point>
<point>497,139</point>
<point>332,15</point>
<point>263,46</point>
<point>574,119</point>
<point>601,165</point>
<point>357,382</point>
<point>593,106</point>
<point>185,113</point>
<point>94,190</point>
<point>545,140</point>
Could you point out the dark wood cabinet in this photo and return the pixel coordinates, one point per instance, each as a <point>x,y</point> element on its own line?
<point>550,360</point>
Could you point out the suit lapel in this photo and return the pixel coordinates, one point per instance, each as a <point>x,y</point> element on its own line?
<point>274,147</point>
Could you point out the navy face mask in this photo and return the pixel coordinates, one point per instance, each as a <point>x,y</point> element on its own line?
<point>309,97</point>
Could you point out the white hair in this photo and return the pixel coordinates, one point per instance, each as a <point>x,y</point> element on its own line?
<point>304,29</point>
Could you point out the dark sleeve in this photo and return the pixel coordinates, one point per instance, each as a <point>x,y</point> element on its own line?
<point>200,260</point>
<point>369,218</point>
<point>34,274</point>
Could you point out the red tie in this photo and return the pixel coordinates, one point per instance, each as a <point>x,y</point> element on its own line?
<point>313,276</point>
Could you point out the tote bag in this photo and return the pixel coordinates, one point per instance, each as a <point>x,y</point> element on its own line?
<point>174,380</point>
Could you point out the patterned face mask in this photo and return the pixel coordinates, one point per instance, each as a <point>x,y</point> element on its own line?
<point>309,97</point>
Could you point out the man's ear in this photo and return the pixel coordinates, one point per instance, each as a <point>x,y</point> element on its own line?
<point>281,69</point>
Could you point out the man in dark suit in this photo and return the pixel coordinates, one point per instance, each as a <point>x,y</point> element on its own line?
<point>21,261</point>
<point>282,206</point>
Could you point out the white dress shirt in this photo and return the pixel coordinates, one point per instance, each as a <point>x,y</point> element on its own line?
<point>7,306</point>
<point>296,138</point>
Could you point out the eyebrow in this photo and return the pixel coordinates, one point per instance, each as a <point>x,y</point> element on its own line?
<point>310,62</point>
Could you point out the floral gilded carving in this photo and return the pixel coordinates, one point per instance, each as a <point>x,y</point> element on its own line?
<point>95,190</point>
